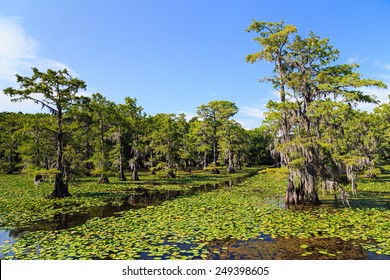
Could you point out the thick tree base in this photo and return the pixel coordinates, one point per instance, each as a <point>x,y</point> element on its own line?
<point>60,189</point>
<point>291,199</point>
<point>135,177</point>
<point>370,176</point>
<point>122,177</point>
<point>231,170</point>
<point>171,174</point>
<point>214,171</point>
<point>298,195</point>
<point>103,180</point>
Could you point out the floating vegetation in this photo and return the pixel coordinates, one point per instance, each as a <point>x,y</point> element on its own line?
<point>190,226</point>
<point>21,204</point>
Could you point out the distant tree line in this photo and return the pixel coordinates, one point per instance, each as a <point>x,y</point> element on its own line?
<point>87,136</point>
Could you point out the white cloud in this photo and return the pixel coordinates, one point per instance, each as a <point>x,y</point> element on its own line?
<point>18,53</point>
<point>382,64</point>
<point>252,111</point>
<point>263,100</point>
<point>249,123</point>
<point>189,115</point>
<point>356,59</point>
<point>16,48</point>
<point>26,106</point>
<point>380,94</point>
<point>276,93</point>
<point>252,116</point>
<point>45,63</point>
<point>353,59</point>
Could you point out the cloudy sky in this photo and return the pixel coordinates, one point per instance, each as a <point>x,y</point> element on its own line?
<point>175,55</point>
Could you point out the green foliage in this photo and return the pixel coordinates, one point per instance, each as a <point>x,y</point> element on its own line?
<point>10,124</point>
<point>260,140</point>
<point>59,94</point>
<point>103,114</point>
<point>214,115</point>
<point>164,139</point>
<point>297,163</point>
<point>234,142</point>
<point>273,38</point>
<point>58,88</point>
<point>37,144</point>
<point>317,133</point>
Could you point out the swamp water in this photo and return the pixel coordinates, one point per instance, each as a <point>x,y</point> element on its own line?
<point>137,198</point>
<point>262,247</point>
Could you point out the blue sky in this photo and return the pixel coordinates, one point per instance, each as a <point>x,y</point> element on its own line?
<point>175,55</point>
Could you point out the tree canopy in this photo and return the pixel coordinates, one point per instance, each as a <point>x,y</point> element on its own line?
<point>56,91</point>
<point>316,117</point>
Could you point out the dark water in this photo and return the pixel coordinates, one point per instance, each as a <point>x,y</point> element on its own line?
<point>267,248</point>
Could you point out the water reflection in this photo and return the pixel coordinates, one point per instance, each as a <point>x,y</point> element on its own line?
<point>364,199</point>
<point>267,248</point>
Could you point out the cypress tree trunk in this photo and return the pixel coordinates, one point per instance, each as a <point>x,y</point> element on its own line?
<point>215,169</point>
<point>122,176</point>
<point>134,176</point>
<point>238,161</point>
<point>215,150</point>
<point>103,179</point>
<point>171,174</point>
<point>310,185</point>
<point>170,170</point>
<point>302,186</point>
<point>231,166</point>
<point>67,171</point>
<point>60,188</point>
<point>291,194</point>
<point>103,161</point>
